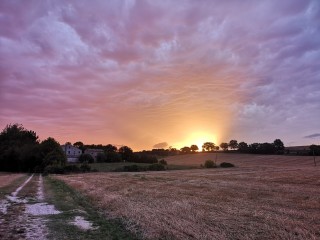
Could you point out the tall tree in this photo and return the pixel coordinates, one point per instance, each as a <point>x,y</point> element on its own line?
<point>110,148</point>
<point>194,148</point>
<point>208,146</point>
<point>279,146</point>
<point>224,146</point>
<point>185,150</point>
<point>126,153</point>
<point>18,149</point>
<point>243,147</point>
<point>233,144</point>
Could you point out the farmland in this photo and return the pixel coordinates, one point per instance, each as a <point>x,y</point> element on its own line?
<point>263,197</point>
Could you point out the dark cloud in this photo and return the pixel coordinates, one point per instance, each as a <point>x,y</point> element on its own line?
<point>315,135</point>
<point>161,145</point>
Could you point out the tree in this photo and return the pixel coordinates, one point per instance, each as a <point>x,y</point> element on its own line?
<point>233,144</point>
<point>110,148</point>
<point>86,158</point>
<point>113,157</point>
<point>224,146</point>
<point>185,150</point>
<point>279,146</point>
<point>243,147</point>
<point>126,153</point>
<point>18,149</point>
<point>194,148</point>
<point>52,153</point>
<point>101,157</point>
<point>79,145</point>
<point>208,146</point>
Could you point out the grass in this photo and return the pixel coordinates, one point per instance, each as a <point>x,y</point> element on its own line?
<point>73,203</point>
<point>9,182</point>
<point>264,197</point>
<point>111,167</point>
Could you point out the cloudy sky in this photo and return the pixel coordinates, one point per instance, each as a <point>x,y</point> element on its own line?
<point>162,73</point>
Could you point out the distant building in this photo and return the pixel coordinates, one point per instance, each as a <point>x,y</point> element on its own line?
<point>93,152</point>
<point>73,153</point>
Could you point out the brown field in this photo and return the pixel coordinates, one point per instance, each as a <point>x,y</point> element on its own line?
<point>7,178</point>
<point>264,197</point>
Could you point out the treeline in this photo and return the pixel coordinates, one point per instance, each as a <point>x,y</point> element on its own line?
<point>21,151</point>
<point>111,153</point>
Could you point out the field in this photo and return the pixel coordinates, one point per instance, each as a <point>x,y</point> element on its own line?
<point>7,178</point>
<point>263,197</point>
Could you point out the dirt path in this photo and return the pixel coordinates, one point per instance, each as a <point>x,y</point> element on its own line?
<point>23,212</point>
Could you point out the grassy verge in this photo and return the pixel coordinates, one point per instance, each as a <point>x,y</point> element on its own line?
<point>111,167</point>
<point>73,204</point>
<point>12,186</point>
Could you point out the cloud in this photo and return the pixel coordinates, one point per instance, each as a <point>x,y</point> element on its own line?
<point>315,135</point>
<point>161,145</point>
<point>136,72</point>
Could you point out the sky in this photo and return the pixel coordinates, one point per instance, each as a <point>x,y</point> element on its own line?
<point>154,74</point>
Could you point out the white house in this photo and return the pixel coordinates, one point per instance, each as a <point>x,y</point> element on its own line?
<point>73,153</point>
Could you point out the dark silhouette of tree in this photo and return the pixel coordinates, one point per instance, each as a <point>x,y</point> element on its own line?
<point>185,150</point>
<point>18,149</point>
<point>233,144</point>
<point>314,150</point>
<point>194,148</point>
<point>86,158</point>
<point>79,145</point>
<point>224,146</point>
<point>126,153</point>
<point>113,157</point>
<point>279,146</point>
<point>52,153</point>
<point>110,148</point>
<point>243,147</point>
<point>208,146</point>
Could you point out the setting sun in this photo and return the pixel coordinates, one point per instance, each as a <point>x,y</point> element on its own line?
<point>197,138</point>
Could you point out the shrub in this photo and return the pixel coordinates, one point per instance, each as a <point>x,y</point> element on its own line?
<point>156,167</point>
<point>133,168</point>
<point>226,165</point>
<point>101,157</point>
<point>163,162</point>
<point>72,168</point>
<point>53,170</point>
<point>85,167</point>
<point>86,158</point>
<point>210,164</point>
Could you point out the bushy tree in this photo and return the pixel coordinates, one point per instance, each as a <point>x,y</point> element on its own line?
<point>101,157</point>
<point>233,144</point>
<point>185,150</point>
<point>224,146</point>
<point>126,153</point>
<point>194,148</point>
<point>243,147</point>
<point>208,146</point>
<point>52,153</point>
<point>86,158</point>
<point>279,146</point>
<point>18,149</point>
<point>113,157</point>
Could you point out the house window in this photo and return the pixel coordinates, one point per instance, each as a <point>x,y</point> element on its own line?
<point>68,152</point>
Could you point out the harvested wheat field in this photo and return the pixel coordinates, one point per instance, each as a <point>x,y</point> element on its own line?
<point>252,201</point>
<point>8,178</point>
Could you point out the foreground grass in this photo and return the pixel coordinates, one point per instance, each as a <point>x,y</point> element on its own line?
<point>10,182</point>
<point>111,167</point>
<point>249,203</point>
<point>72,204</point>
